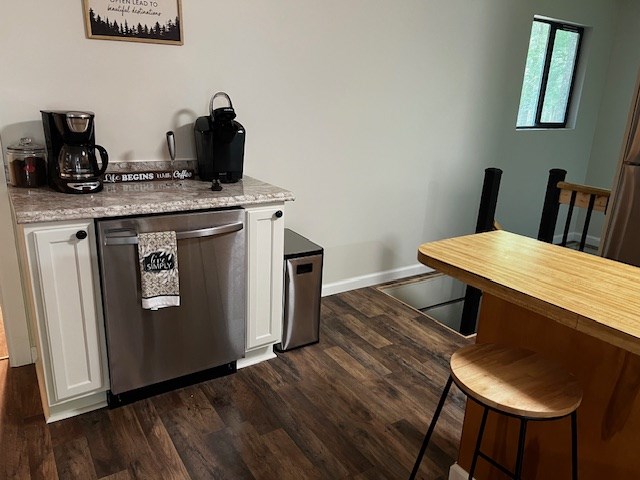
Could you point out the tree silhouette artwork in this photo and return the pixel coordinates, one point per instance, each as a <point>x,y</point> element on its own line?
<point>105,27</point>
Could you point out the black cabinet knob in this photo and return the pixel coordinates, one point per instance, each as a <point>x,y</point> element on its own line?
<point>81,234</point>
<point>279,214</point>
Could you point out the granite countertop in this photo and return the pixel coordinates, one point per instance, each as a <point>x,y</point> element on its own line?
<point>120,199</point>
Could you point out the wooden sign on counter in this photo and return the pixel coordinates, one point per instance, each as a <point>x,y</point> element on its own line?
<point>148,176</point>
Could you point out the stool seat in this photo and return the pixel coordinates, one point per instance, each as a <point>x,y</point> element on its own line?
<point>515,381</point>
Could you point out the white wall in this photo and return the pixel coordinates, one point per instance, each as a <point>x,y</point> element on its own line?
<point>617,98</point>
<point>616,102</point>
<point>379,115</point>
<point>526,156</point>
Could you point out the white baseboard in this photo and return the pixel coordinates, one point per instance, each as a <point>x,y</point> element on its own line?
<point>456,472</point>
<point>72,408</point>
<point>417,269</point>
<point>575,237</point>
<point>256,355</point>
<point>373,279</point>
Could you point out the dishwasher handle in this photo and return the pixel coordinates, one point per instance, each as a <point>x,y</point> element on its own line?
<point>111,238</point>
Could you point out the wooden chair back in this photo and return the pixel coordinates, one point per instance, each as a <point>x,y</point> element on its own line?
<point>574,195</point>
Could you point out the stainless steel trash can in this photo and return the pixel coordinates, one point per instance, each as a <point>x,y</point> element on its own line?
<point>302,291</point>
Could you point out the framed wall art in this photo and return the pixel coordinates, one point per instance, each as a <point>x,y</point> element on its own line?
<point>158,21</point>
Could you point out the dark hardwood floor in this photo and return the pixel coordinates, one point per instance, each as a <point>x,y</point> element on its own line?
<point>356,405</point>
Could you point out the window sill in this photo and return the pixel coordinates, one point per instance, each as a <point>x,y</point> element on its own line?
<point>543,129</point>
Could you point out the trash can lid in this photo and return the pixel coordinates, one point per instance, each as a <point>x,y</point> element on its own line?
<point>295,245</point>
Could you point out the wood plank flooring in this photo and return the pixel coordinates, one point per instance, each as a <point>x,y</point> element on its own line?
<point>354,406</point>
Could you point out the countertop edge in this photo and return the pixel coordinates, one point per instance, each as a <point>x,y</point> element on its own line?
<point>160,202</point>
<point>26,218</point>
<point>503,291</point>
<point>620,329</point>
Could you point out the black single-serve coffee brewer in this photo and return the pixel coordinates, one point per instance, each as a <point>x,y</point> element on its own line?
<point>72,163</point>
<point>219,144</point>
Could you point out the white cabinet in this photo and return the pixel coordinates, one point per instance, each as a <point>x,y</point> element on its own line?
<point>62,285</point>
<point>67,313</point>
<point>265,257</point>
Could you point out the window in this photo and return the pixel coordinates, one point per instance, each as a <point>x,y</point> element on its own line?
<point>549,74</point>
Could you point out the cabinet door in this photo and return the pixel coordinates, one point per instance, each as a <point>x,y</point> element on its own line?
<point>265,264</point>
<point>71,308</point>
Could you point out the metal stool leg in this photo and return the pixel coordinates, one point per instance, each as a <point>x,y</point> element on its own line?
<point>574,445</point>
<point>521,439</point>
<point>476,452</point>
<point>432,426</point>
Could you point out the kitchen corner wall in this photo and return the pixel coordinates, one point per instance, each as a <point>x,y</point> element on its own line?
<point>526,156</point>
<point>616,102</point>
<point>380,116</point>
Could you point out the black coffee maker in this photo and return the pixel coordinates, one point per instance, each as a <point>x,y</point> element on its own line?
<point>219,144</point>
<point>72,163</point>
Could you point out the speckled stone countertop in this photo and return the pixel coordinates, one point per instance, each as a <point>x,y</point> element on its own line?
<point>120,199</point>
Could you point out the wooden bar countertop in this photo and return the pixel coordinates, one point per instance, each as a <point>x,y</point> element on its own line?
<point>594,295</point>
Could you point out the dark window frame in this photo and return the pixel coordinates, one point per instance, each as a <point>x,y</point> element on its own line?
<point>554,27</point>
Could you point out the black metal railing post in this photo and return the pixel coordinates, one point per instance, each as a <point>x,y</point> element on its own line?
<point>486,217</point>
<point>551,205</point>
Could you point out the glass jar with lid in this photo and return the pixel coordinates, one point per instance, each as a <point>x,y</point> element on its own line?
<point>27,164</point>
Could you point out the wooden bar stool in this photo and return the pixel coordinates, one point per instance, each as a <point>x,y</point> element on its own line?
<point>514,382</point>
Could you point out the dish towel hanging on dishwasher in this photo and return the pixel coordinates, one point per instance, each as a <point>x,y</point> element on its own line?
<point>159,281</point>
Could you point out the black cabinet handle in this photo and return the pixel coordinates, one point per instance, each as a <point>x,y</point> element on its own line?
<point>81,234</point>
<point>279,214</point>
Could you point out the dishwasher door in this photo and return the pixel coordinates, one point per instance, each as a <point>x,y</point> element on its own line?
<point>207,330</point>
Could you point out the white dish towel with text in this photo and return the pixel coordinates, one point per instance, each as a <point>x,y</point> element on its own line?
<point>159,280</point>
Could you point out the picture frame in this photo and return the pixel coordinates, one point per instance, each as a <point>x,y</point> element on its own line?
<point>148,21</point>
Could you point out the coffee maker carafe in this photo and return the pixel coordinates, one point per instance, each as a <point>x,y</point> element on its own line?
<point>70,139</point>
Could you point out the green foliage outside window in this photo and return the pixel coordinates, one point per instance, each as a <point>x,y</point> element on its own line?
<point>549,74</point>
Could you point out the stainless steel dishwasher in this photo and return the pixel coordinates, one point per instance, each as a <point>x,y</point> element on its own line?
<point>153,351</point>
